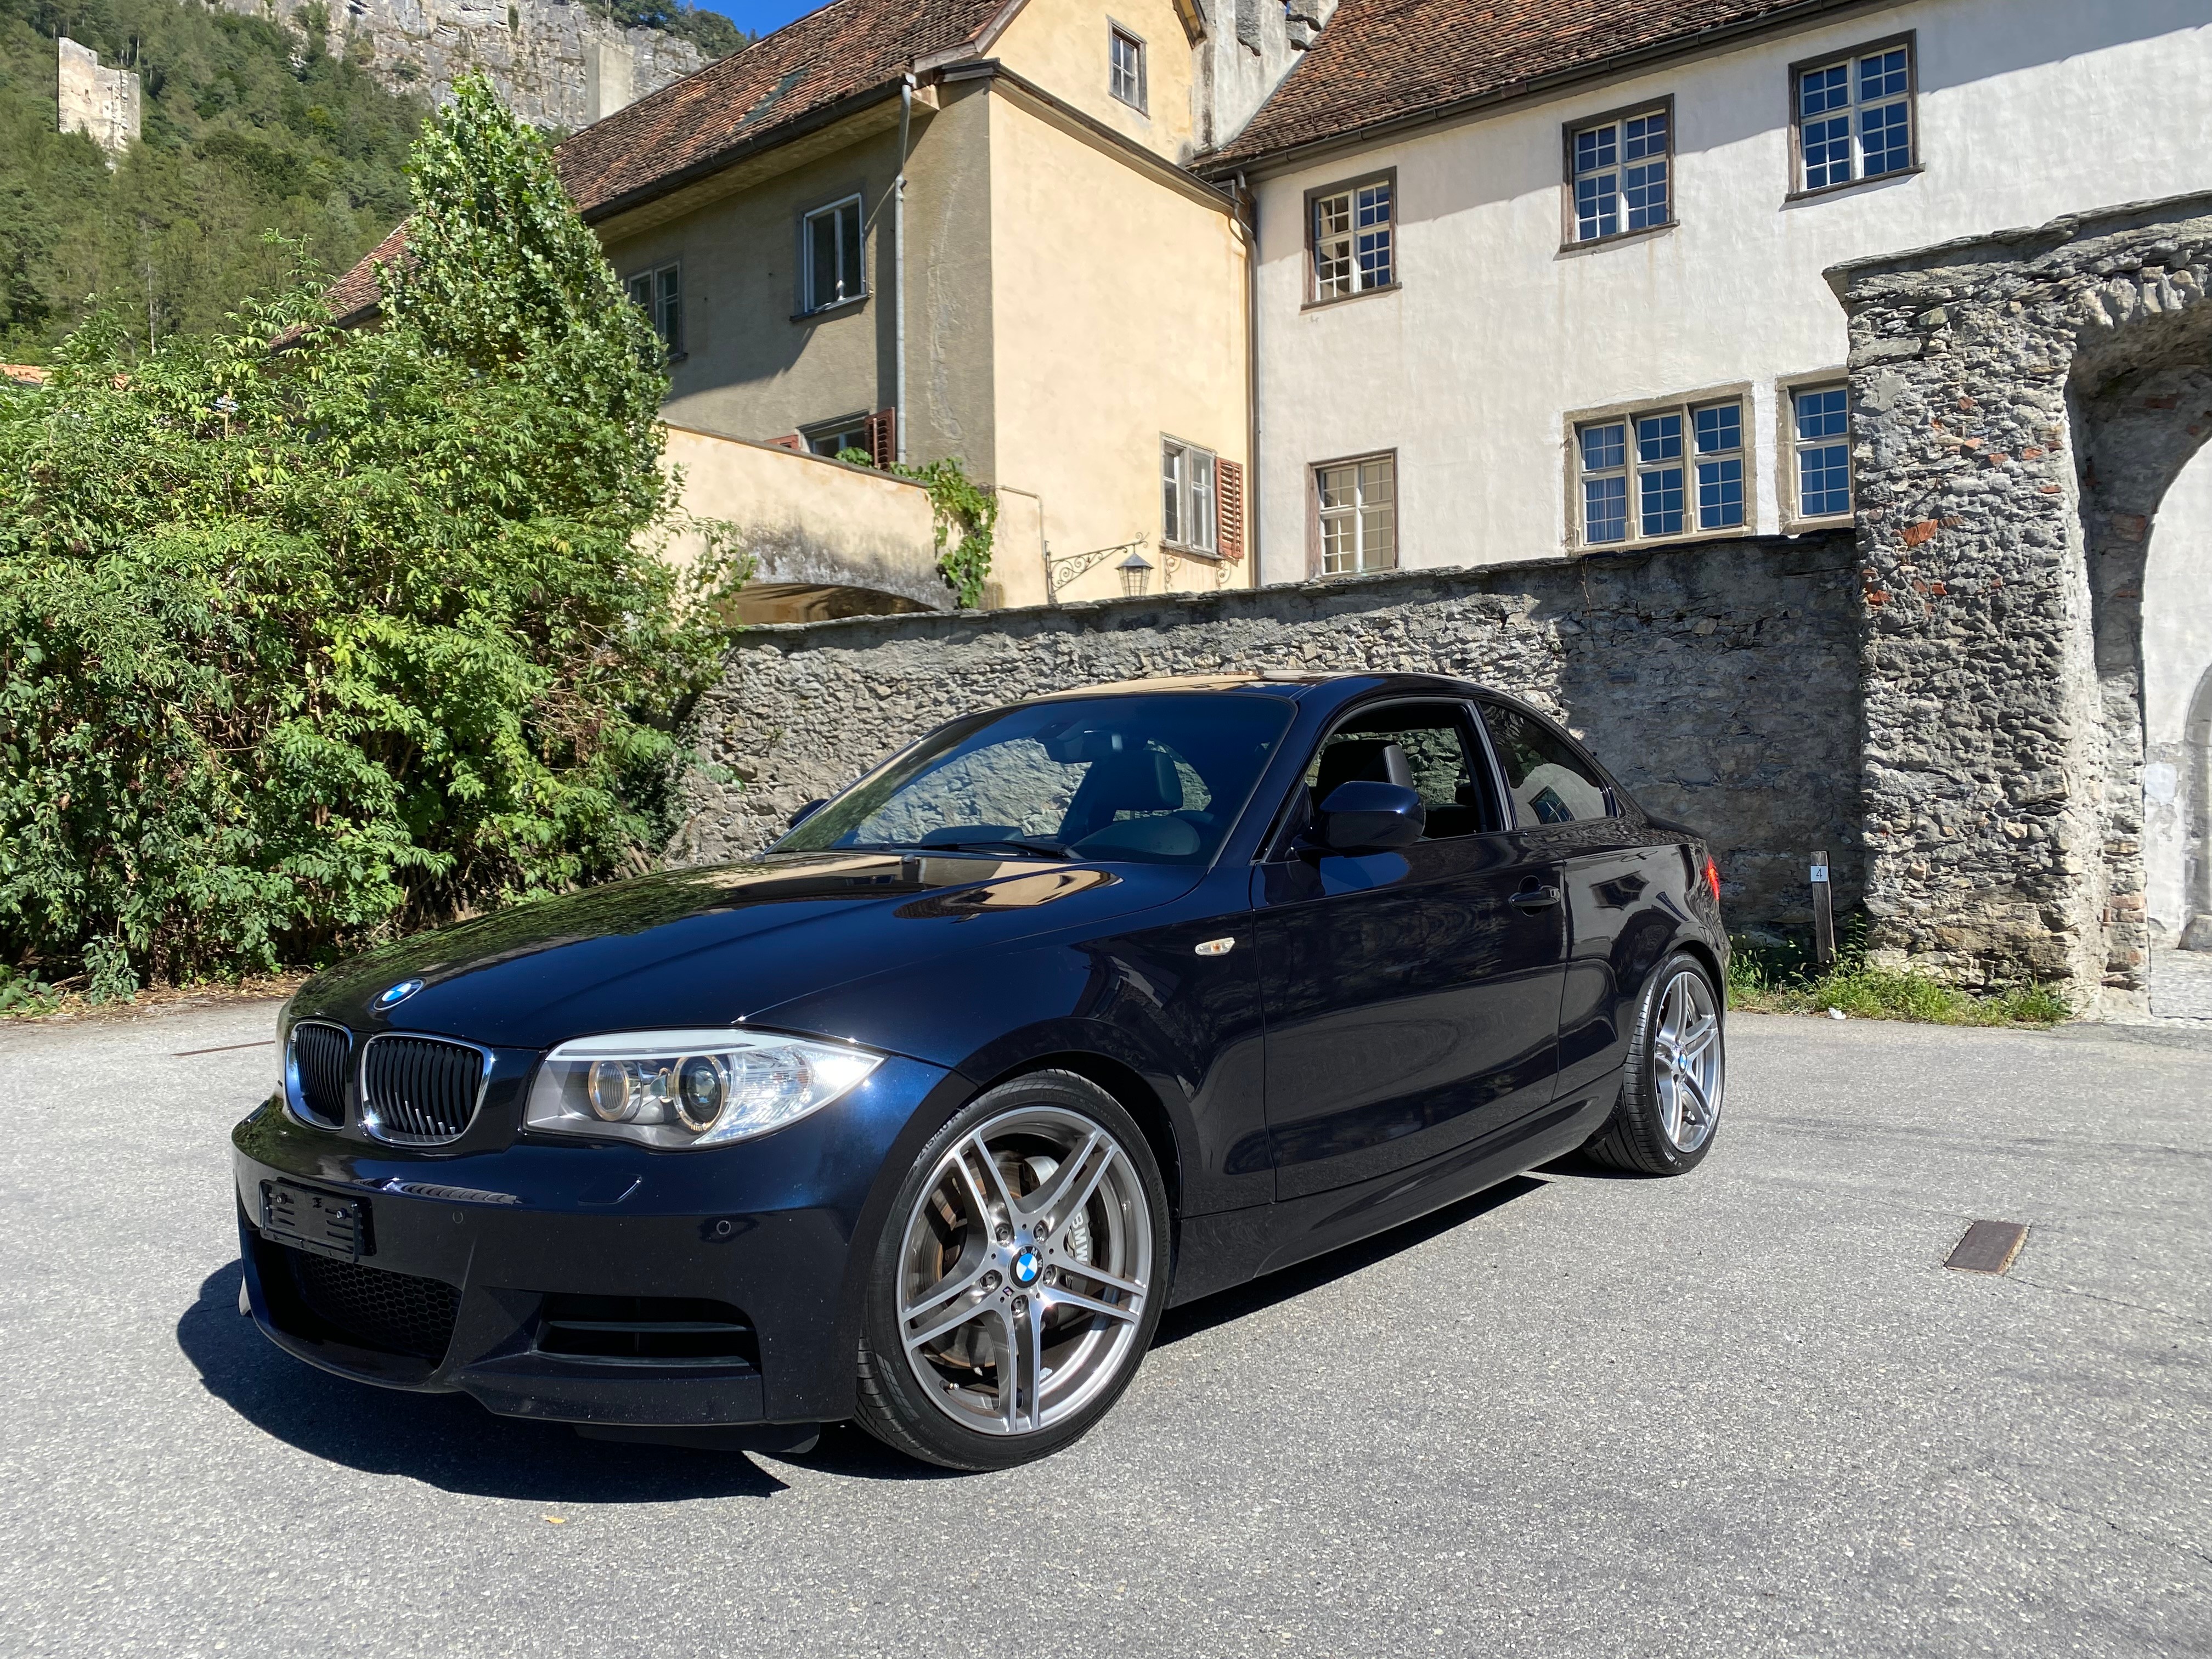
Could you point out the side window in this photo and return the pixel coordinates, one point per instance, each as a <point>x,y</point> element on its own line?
<point>1424,744</point>
<point>1551,783</point>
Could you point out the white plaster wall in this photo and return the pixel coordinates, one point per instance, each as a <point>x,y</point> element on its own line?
<point>2177,656</point>
<point>2027,109</point>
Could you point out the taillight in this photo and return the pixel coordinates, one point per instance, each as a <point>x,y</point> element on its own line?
<point>1713,879</point>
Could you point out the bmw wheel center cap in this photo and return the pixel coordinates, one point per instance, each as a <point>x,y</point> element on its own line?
<point>1025,1268</point>
<point>399,994</point>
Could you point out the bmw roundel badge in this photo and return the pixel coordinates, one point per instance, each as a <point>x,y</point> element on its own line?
<point>1025,1268</point>
<point>399,994</point>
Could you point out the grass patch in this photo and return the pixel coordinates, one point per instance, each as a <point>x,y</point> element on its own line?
<point>1771,979</point>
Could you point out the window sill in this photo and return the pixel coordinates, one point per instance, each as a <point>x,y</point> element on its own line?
<point>852,304</point>
<point>1568,250</point>
<point>1646,544</point>
<point>1827,191</point>
<point>1182,551</point>
<point>1354,575</point>
<point>1825,521</point>
<point>1346,299</point>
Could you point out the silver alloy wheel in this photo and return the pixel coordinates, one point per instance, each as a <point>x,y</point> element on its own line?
<point>1687,1061</point>
<point>1024,1271</point>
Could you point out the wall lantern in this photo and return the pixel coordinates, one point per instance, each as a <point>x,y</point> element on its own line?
<point>1136,571</point>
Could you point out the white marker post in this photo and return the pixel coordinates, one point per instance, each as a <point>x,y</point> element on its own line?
<point>1824,912</point>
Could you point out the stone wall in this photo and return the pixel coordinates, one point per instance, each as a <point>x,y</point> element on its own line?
<point>1718,680</point>
<point>2020,404</point>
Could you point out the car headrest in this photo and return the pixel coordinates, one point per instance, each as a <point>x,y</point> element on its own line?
<point>1365,760</point>
<point>1134,781</point>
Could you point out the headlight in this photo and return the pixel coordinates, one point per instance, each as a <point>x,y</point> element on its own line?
<point>688,1088</point>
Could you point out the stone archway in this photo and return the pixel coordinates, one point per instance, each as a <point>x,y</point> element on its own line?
<point>2022,403</point>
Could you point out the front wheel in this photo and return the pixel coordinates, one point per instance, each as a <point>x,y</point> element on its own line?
<point>1022,1270</point>
<point>1675,1077</point>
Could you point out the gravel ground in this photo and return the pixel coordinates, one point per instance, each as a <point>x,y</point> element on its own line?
<point>1746,1413</point>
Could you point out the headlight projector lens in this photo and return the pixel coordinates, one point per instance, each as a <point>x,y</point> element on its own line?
<point>702,1087</point>
<point>612,1091</point>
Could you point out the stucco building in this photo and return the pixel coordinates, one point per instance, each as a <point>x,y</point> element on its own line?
<point>958,228</point>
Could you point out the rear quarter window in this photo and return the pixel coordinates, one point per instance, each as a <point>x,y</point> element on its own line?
<point>1550,783</point>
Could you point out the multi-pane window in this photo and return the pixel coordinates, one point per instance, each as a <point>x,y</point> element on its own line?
<point>1662,472</point>
<point>1125,67</point>
<point>1188,513</point>
<point>1358,503</point>
<point>1822,418</point>
<point>1855,118</point>
<point>659,296</point>
<point>1351,240</point>
<point>1620,169</point>
<point>832,245</point>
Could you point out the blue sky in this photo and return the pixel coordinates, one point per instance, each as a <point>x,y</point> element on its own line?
<point>759,16</point>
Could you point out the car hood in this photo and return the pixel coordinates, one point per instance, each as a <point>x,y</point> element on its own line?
<point>714,945</point>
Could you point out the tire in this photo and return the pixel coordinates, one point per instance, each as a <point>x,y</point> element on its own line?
<point>1674,1083</point>
<point>1032,1228</point>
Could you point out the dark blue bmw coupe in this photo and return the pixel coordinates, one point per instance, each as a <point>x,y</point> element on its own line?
<point>1071,1011</point>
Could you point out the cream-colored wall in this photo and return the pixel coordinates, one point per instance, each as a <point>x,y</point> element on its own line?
<point>1118,311</point>
<point>1061,44</point>
<point>753,367</point>
<point>2027,109</point>
<point>949,348</point>
<point>808,521</point>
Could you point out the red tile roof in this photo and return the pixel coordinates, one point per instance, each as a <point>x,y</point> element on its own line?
<point>847,50</point>
<point>1379,61</point>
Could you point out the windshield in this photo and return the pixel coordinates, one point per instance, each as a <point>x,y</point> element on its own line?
<point>1157,779</point>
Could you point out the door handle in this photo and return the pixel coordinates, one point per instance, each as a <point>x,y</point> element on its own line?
<point>1535,898</point>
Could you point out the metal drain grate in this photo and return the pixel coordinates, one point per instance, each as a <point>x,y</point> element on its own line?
<point>1989,1247</point>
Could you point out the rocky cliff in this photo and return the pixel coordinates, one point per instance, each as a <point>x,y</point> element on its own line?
<point>557,63</point>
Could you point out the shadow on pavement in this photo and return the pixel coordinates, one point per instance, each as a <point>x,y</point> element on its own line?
<point>1204,1314</point>
<point>443,1440</point>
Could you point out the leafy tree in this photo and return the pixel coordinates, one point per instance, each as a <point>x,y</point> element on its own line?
<point>306,635</point>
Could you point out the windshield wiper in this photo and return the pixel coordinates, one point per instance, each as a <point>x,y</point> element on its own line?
<point>1035,846</point>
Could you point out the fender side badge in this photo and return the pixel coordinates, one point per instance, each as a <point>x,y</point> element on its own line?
<point>1217,947</point>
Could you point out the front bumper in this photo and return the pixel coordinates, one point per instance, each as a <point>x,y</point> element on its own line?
<point>508,1243</point>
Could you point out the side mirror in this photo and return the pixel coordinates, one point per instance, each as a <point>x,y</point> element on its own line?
<point>805,812</point>
<point>1361,816</point>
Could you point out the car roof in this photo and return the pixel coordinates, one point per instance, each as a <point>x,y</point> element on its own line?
<point>1293,684</point>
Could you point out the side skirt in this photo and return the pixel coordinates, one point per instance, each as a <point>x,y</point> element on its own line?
<point>1219,1252</point>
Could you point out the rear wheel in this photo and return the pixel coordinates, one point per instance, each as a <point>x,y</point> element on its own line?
<point>1021,1273</point>
<point>1675,1078</point>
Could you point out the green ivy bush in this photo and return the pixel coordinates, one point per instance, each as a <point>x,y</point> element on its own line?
<point>307,636</point>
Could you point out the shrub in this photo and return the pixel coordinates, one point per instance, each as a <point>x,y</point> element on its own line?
<point>307,635</point>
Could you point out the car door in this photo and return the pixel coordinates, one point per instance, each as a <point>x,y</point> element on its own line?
<point>1622,908</point>
<point>1412,996</point>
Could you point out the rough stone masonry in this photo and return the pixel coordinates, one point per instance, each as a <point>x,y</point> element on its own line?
<point>2020,403</point>
<point>1719,680</point>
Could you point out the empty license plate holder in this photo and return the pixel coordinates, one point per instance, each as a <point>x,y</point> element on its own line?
<point>310,1219</point>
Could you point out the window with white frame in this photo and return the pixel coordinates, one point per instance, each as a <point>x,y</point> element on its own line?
<point>1855,117</point>
<point>1821,416</point>
<point>659,296</point>
<point>1188,514</point>
<point>832,245</point>
<point>1350,229</point>
<point>1124,66</point>
<point>1663,471</point>
<point>1356,503</point>
<point>1619,171</point>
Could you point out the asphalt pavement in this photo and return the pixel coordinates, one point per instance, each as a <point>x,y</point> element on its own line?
<point>1745,1412</point>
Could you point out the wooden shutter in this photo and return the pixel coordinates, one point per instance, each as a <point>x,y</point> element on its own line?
<point>1229,504</point>
<point>883,437</point>
<point>790,441</point>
